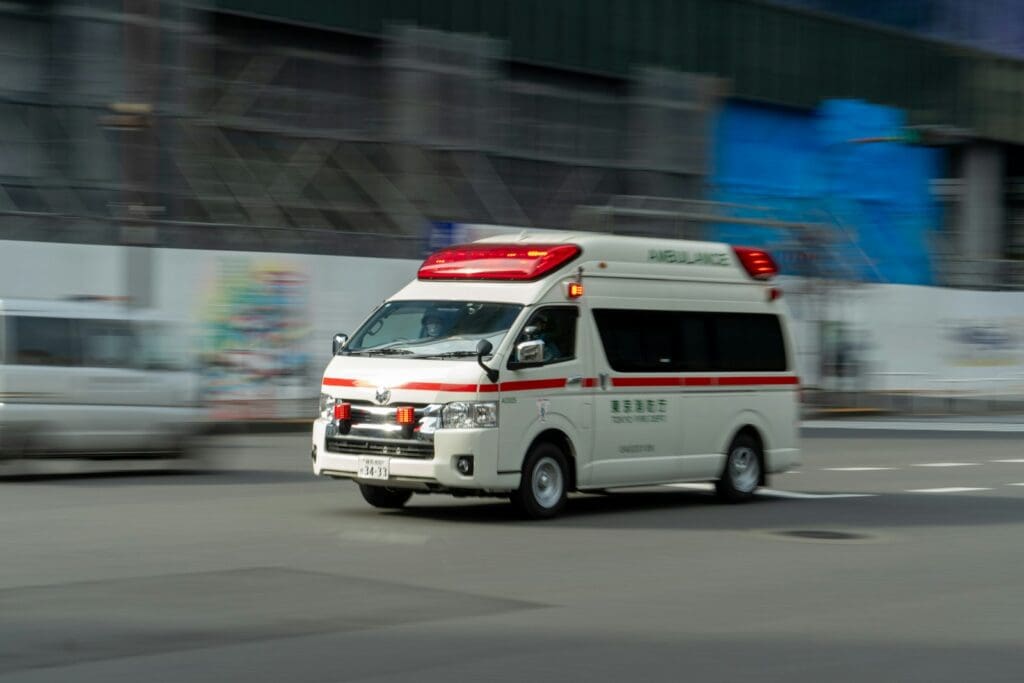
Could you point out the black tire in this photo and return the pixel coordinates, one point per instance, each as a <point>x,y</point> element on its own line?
<point>545,483</point>
<point>383,497</point>
<point>743,471</point>
<point>16,460</point>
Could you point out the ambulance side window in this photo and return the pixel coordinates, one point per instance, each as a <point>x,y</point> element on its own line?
<point>556,326</point>
<point>649,341</point>
<point>748,342</point>
<point>691,341</point>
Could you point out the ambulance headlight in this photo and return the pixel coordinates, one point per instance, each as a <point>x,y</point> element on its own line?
<point>469,415</point>
<point>327,406</point>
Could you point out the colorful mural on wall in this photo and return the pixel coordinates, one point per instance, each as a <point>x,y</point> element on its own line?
<point>255,327</point>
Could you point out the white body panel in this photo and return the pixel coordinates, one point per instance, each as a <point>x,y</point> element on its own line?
<point>620,428</point>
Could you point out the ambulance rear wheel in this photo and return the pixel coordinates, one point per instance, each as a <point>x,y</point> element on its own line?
<point>743,469</point>
<point>542,490</point>
<point>383,497</point>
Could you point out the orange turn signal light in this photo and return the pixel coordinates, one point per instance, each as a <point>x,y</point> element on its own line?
<point>575,290</point>
<point>405,415</point>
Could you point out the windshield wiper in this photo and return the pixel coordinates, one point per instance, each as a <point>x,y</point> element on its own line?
<point>450,354</point>
<point>388,352</point>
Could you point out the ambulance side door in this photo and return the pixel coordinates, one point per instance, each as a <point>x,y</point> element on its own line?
<point>549,393</point>
<point>638,404</point>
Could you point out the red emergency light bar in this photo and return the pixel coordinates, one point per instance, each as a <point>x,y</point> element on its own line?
<point>758,263</point>
<point>496,261</point>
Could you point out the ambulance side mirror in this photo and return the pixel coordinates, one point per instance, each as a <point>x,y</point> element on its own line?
<point>339,342</point>
<point>483,348</point>
<point>528,353</point>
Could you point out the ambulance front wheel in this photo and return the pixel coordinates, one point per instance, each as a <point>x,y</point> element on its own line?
<point>383,497</point>
<point>542,490</point>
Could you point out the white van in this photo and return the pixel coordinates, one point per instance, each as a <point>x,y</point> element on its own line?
<point>93,380</point>
<point>532,366</point>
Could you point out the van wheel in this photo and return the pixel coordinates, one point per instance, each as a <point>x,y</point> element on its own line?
<point>742,472</point>
<point>542,490</point>
<point>15,460</point>
<point>383,497</point>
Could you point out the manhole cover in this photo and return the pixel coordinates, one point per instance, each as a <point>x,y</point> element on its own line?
<point>822,535</point>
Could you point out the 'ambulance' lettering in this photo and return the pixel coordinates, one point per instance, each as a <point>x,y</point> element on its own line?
<point>688,257</point>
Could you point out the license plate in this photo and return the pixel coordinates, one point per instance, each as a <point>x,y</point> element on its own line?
<point>373,468</point>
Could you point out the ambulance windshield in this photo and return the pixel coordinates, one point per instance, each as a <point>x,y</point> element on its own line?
<point>432,329</point>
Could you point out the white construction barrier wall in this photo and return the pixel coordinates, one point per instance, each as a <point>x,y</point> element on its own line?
<point>261,324</point>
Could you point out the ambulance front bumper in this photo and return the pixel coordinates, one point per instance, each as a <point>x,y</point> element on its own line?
<point>429,474</point>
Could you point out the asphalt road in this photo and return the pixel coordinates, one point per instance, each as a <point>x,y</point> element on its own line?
<point>906,564</point>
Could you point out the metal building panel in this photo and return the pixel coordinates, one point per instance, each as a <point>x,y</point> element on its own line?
<point>768,53</point>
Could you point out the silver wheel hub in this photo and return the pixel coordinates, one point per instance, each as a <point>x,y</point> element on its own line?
<point>547,483</point>
<point>744,469</point>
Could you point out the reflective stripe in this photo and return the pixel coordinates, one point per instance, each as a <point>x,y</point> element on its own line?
<point>522,385</point>
<point>530,384</point>
<point>719,381</point>
<point>588,382</point>
<point>339,382</point>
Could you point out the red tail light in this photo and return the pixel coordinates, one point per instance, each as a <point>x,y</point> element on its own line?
<point>758,263</point>
<point>483,261</point>
<point>405,415</point>
<point>342,411</point>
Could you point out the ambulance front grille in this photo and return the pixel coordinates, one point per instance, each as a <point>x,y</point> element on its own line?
<point>399,448</point>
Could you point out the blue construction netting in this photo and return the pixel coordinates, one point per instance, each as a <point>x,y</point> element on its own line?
<point>841,165</point>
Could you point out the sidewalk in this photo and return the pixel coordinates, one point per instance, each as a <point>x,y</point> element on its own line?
<point>849,404</point>
<point>940,427</point>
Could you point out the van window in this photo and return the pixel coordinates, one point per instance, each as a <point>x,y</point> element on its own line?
<point>685,341</point>
<point>107,344</point>
<point>44,341</point>
<point>162,346</point>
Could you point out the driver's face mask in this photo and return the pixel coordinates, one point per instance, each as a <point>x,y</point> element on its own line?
<point>433,328</point>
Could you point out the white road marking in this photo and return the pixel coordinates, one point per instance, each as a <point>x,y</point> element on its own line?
<point>944,464</point>
<point>773,493</point>
<point>950,489</point>
<point>907,426</point>
<point>694,487</point>
<point>857,469</point>
<point>1014,460</point>
<point>1017,484</point>
<point>799,495</point>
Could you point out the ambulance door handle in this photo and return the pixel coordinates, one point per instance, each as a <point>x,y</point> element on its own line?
<point>603,378</point>
<point>574,381</point>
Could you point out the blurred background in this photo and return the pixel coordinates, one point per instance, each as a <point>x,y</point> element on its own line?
<point>262,173</point>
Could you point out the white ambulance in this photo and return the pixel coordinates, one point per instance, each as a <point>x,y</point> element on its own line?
<point>536,365</point>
